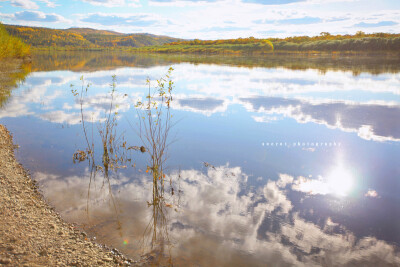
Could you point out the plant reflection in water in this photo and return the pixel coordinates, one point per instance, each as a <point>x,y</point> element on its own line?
<point>12,73</point>
<point>153,129</point>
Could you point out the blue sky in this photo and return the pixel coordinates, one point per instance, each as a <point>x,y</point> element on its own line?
<point>209,19</point>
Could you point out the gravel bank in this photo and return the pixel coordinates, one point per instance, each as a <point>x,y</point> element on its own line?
<point>31,232</point>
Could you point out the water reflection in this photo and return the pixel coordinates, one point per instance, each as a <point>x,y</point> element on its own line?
<point>370,121</point>
<point>204,105</point>
<point>154,126</point>
<point>225,223</point>
<point>370,109</point>
<point>94,61</point>
<point>339,181</point>
<point>280,205</point>
<point>12,73</point>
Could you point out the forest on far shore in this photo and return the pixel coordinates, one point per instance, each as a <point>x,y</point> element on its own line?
<point>92,39</point>
<point>375,42</point>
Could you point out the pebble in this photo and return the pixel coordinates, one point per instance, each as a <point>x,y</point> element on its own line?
<point>43,253</point>
<point>5,261</point>
<point>28,224</point>
<point>107,259</point>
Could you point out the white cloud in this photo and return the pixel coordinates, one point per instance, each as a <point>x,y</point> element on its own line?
<point>233,19</point>
<point>265,119</point>
<point>37,16</point>
<point>113,3</point>
<point>26,4</point>
<point>184,3</point>
<point>107,3</point>
<point>119,19</point>
<point>48,3</point>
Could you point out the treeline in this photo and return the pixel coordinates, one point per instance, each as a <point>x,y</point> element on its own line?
<point>11,46</point>
<point>376,42</point>
<point>249,45</point>
<point>372,44</point>
<point>327,36</point>
<point>83,38</point>
<point>250,40</point>
<point>131,40</point>
<point>246,48</point>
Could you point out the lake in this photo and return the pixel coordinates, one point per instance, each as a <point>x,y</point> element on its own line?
<point>285,160</point>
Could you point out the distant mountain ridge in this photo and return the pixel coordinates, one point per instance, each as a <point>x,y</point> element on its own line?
<point>84,37</point>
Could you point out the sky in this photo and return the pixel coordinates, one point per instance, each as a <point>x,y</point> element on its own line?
<point>209,19</point>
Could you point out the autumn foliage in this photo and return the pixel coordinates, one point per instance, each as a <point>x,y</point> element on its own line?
<point>12,47</point>
<point>91,39</point>
<point>376,42</point>
<point>83,38</point>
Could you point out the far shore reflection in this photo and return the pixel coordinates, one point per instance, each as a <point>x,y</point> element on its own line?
<point>95,61</point>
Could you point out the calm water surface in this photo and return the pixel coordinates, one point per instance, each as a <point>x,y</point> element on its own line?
<point>280,161</point>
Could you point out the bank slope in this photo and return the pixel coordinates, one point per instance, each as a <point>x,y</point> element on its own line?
<point>85,38</point>
<point>31,233</point>
<point>11,46</point>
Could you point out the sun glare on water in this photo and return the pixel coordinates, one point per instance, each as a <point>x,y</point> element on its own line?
<point>339,181</point>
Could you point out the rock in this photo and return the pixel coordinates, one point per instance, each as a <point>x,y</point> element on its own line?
<point>5,261</point>
<point>106,259</point>
<point>43,253</point>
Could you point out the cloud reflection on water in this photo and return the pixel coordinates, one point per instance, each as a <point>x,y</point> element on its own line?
<point>204,105</point>
<point>370,121</point>
<point>223,221</point>
<point>208,89</point>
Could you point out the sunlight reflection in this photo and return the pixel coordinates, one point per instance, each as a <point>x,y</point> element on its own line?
<point>339,181</point>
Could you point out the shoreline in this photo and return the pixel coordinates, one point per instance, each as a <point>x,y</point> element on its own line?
<point>204,51</point>
<point>31,231</point>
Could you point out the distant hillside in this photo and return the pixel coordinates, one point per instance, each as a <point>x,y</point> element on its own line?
<point>84,38</point>
<point>85,31</point>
